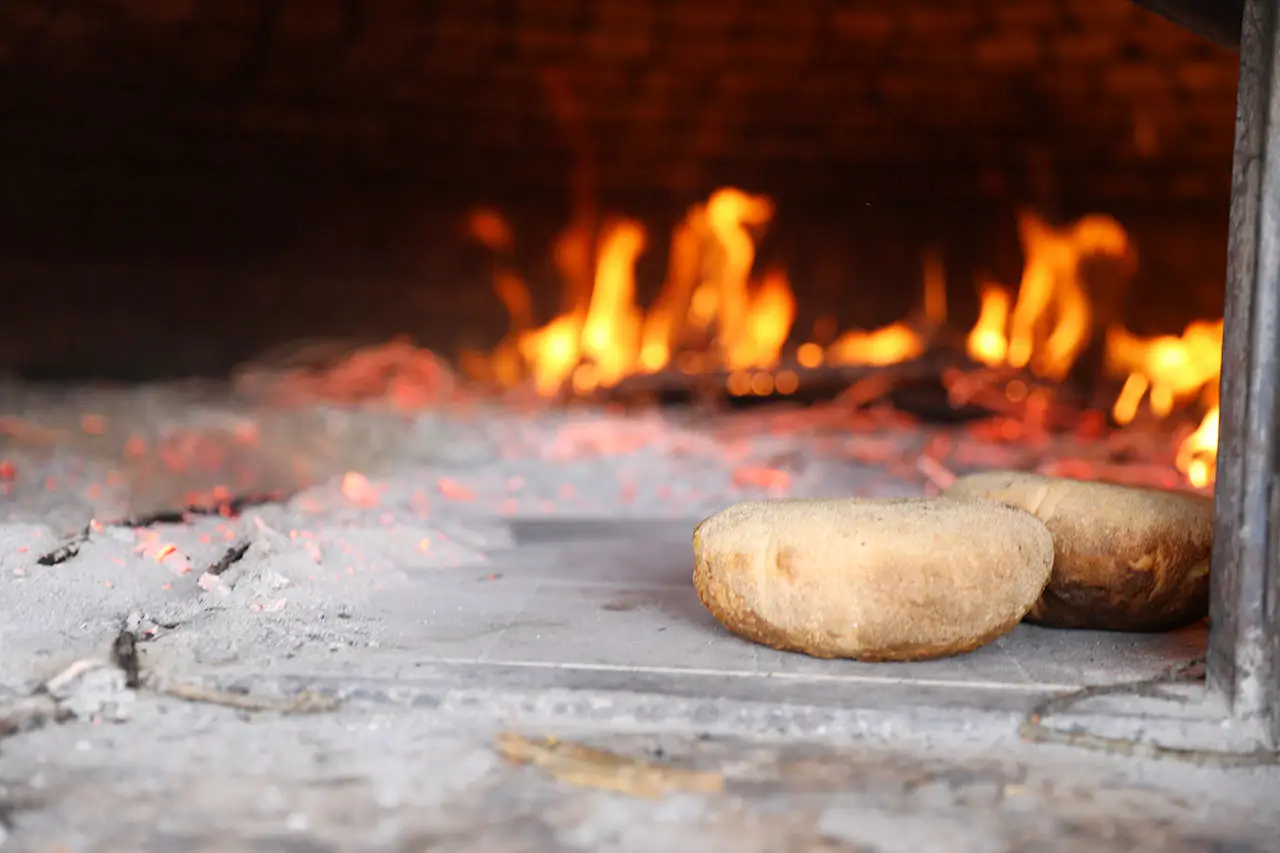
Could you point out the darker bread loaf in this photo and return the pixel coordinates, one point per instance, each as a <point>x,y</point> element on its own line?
<point>1126,559</point>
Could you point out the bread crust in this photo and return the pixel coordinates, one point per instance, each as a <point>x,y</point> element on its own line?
<point>872,580</point>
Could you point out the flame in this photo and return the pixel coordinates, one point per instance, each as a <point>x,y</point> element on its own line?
<point>552,352</point>
<point>664,326</point>
<point>935,290</point>
<point>1052,315</point>
<point>886,345</point>
<point>1050,323</point>
<point>987,342</point>
<point>729,214</point>
<point>1168,372</point>
<point>709,290</point>
<point>765,321</point>
<point>1167,369</point>
<point>892,343</point>
<point>611,330</point>
<point>597,346</point>
<point>715,313</point>
<point>1198,453</point>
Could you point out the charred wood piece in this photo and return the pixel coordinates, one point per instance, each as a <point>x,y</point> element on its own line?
<point>66,550</point>
<point>232,556</point>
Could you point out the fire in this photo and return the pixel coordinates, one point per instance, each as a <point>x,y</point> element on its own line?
<point>611,330</point>
<point>1198,454</point>
<point>1050,323</point>
<point>1051,320</point>
<point>987,341</point>
<point>1170,371</point>
<point>710,294</point>
<point>1167,370</point>
<point>724,295</point>
<point>715,313</point>
<point>886,345</point>
<point>591,346</point>
<point>765,324</point>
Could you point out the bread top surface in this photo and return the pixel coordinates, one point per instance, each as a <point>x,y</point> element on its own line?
<point>1126,558</point>
<point>1087,516</point>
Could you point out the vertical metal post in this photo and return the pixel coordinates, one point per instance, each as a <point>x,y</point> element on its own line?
<point>1244,656</point>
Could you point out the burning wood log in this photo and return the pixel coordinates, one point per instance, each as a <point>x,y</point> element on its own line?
<point>788,380</point>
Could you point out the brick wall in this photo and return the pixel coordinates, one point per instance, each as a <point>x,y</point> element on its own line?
<point>186,182</point>
<point>865,96</point>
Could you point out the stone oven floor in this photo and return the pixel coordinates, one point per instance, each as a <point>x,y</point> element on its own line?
<point>328,671</point>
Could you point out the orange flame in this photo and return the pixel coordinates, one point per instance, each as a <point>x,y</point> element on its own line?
<point>712,313</point>
<point>664,326</point>
<point>987,342</point>
<point>552,352</point>
<point>1052,315</point>
<point>1050,324</point>
<point>611,330</point>
<point>1051,320</point>
<point>886,345</point>
<point>1166,369</point>
<point>489,228</point>
<point>1198,454</point>
<point>893,343</point>
<point>724,296</point>
<point>765,322</point>
<point>709,285</point>
<point>1170,371</point>
<point>935,290</point>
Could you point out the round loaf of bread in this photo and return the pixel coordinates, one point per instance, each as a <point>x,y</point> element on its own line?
<point>1125,559</point>
<point>874,580</point>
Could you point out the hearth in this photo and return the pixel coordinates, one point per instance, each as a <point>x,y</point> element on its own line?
<point>635,261</point>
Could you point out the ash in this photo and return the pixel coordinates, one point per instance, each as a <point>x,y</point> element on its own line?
<point>337,607</point>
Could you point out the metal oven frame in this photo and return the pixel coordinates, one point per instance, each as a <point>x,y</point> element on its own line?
<point>1244,640</point>
<point>1232,716</point>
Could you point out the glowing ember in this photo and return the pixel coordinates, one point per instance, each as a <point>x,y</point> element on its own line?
<point>771,480</point>
<point>455,491</point>
<point>356,488</point>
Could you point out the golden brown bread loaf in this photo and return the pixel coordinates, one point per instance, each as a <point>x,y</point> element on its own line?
<point>1126,559</point>
<point>873,580</point>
